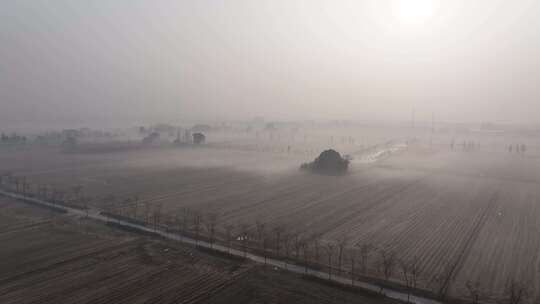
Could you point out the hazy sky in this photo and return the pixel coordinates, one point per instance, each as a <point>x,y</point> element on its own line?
<point>80,61</point>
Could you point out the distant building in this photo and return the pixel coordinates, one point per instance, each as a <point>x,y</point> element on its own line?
<point>71,133</point>
<point>202,128</point>
<point>198,138</point>
<point>151,139</point>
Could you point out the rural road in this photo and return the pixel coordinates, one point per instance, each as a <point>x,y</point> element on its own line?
<point>95,214</point>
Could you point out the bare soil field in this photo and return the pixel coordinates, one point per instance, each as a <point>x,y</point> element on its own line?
<point>465,215</point>
<point>48,257</point>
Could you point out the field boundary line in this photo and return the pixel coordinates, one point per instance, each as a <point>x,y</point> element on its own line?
<point>464,252</point>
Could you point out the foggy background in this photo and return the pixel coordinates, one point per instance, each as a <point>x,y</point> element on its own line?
<point>126,61</point>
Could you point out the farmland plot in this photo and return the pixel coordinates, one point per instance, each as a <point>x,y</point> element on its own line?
<point>471,216</point>
<point>508,245</point>
<point>70,260</point>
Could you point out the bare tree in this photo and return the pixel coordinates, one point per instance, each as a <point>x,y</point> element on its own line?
<point>17,183</point>
<point>329,248</point>
<point>42,192</point>
<point>387,263</point>
<point>264,245</point>
<point>244,229</point>
<point>7,177</point>
<point>106,206</point>
<point>24,186</point>
<point>54,194</point>
<point>123,208</point>
<point>415,271</point>
<point>77,192</point>
<point>8,181</point>
<point>305,251</point>
<point>441,281</point>
<point>365,250</point>
<point>58,196</point>
<point>111,210</point>
<point>157,216</point>
<point>197,221</point>
<point>286,241</point>
<point>39,191</point>
<point>407,277</point>
<point>316,239</point>
<point>211,223</point>
<point>353,255</point>
<point>146,212</point>
<point>178,223</point>
<point>260,227</point>
<point>261,236</point>
<point>45,192</point>
<point>342,243</point>
<point>229,228</point>
<point>474,291</point>
<point>107,199</point>
<point>185,220</point>
<point>515,292</point>
<point>297,244</point>
<point>84,201</point>
<point>135,206</point>
<point>278,231</point>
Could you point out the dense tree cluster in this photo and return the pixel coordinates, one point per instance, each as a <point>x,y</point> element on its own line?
<point>328,162</point>
<point>518,149</point>
<point>12,139</point>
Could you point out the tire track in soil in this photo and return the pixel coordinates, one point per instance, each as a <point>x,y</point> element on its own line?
<point>215,290</point>
<point>25,226</point>
<point>386,196</point>
<point>464,252</point>
<point>64,262</point>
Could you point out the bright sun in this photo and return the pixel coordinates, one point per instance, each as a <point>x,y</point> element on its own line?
<point>414,12</point>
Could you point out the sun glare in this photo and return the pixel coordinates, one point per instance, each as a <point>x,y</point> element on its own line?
<point>414,12</point>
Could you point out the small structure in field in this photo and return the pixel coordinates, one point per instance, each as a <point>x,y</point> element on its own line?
<point>328,162</point>
<point>199,138</point>
<point>151,139</point>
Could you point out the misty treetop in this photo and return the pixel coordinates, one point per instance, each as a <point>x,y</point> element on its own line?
<point>328,162</point>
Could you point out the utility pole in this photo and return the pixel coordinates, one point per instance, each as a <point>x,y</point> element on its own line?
<point>432,128</point>
<point>432,122</point>
<point>413,117</point>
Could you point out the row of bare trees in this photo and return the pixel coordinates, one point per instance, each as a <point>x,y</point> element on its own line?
<point>276,242</point>
<point>338,258</point>
<point>73,196</point>
<point>18,184</point>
